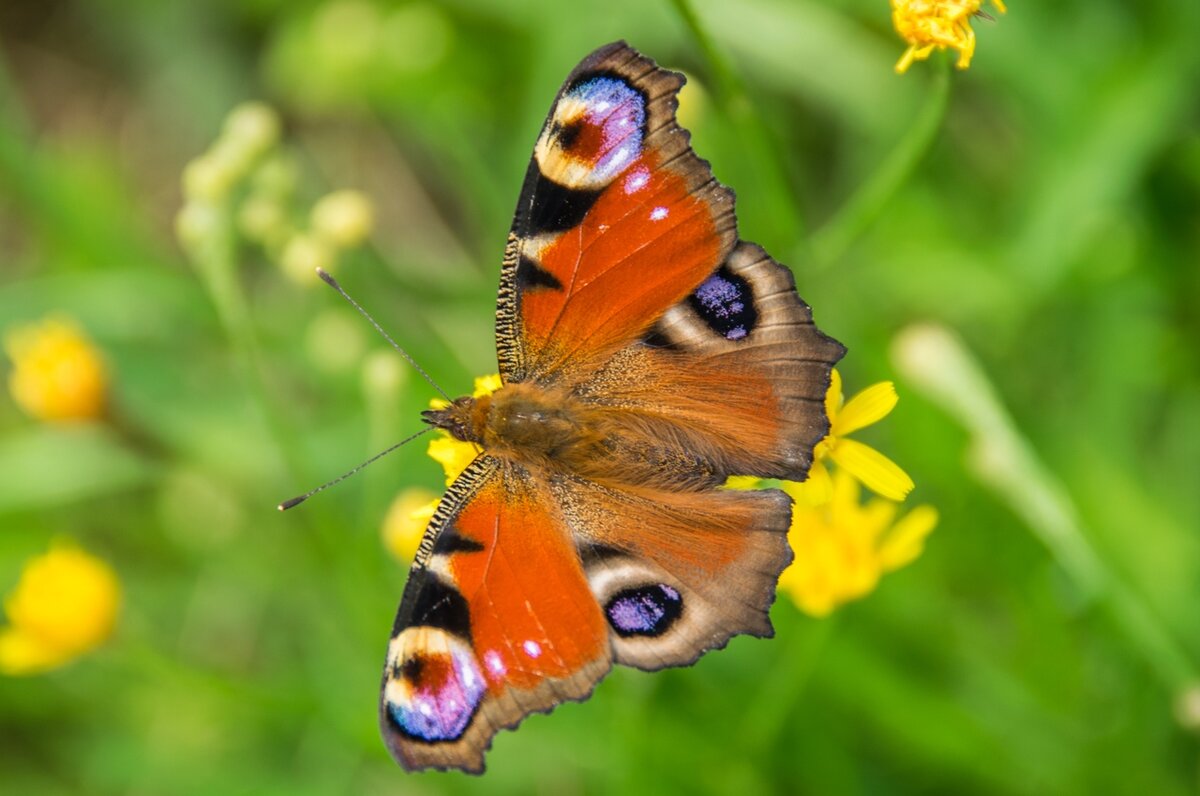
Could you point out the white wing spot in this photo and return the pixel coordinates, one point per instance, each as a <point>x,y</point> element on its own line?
<point>494,664</point>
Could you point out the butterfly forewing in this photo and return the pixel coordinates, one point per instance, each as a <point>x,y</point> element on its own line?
<point>618,220</point>
<point>497,621</point>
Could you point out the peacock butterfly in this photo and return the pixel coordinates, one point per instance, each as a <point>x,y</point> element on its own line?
<point>646,353</point>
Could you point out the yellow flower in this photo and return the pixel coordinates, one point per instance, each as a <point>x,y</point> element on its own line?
<point>842,548</point>
<point>57,373</point>
<point>64,605</point>
<point>937,24</point>
<point>868,465</point>
<point>452,454</point>
<point>406,521</point>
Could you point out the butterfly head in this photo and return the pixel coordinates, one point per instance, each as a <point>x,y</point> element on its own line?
<point>462,418</point>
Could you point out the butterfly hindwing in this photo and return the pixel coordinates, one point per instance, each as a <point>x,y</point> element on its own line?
<point>678,573</point>
<point>738,365</point>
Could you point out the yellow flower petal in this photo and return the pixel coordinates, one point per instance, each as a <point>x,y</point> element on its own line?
<point>907,539</point>
<point>23,654</point>
<point>452,454</point>
<point>57,374</point>
<point>812,491</point>
<point>876,471</point>
<point>833,396</point>
<point>406,520</point>
<point>843,547</point>
<point>927,25</point>
<point>869,406</point>
<point>742,482</point>
<point>486,385</point>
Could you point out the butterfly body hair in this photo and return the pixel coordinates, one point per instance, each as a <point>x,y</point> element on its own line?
<point>551,430</point>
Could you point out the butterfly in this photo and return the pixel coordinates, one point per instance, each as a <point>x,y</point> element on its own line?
<point>646,354</point>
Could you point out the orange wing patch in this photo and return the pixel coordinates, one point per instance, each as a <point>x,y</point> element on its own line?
<point>637,252</point>
<point>531,615</point>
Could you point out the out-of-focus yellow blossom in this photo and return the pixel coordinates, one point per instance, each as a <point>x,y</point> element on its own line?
<point>929,25</point>
<point>452,454</point>
<point>875,470</point>
<point>343,218</point>
<point>406,520</point>
<point>65,604</point>
<point>843,547</point>
<point>251,127</point>
<point>57,373</point>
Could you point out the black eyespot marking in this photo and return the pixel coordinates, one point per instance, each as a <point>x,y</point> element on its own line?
<point>726,303</point>
<point>411,669</point>
<point>451,541</point>
<point>554,207</point>
<point>531,276</point>
<point>656,339</point>
<point>644,611</point>
<point>567,133</point>
<point>443,606</point>
<point>595,553</point>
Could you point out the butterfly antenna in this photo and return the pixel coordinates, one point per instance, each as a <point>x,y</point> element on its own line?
<point>296,501</point>
<point>329,280</point>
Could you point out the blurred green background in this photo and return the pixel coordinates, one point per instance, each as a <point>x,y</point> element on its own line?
<point>1044,205</point>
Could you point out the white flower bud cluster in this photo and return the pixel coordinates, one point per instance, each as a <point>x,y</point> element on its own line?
<point>246,178</point>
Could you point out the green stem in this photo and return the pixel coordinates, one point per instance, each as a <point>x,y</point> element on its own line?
<point>831,241</point>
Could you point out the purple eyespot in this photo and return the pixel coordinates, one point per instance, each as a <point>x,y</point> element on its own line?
<point>619,111</point>
<point>725,302</point>
<point>432,696</point>
<point>645,610</point>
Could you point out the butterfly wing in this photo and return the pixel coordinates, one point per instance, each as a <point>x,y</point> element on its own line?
<point>526,589</point>
<point>737,369</point>
<point>618,220</point>
<point>497,621</point>
<point>623,277</point>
